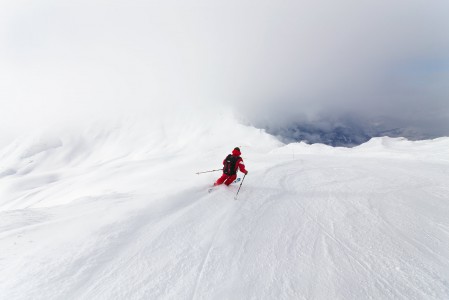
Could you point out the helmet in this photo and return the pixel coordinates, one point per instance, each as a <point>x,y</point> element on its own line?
<point>236,151</point>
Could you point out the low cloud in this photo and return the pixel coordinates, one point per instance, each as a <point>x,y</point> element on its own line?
<point>276,63</point>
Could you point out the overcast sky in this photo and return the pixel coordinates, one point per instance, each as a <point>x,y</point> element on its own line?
<point>276,61</point>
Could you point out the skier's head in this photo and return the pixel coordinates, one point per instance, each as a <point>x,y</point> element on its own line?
<point>236,151</point>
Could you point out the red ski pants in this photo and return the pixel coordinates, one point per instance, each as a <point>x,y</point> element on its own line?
<point>226,179</point>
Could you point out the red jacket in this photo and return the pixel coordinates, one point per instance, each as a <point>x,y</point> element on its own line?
<point>239,164</point>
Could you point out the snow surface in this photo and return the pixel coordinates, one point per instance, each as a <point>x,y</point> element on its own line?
<point>117,212</point>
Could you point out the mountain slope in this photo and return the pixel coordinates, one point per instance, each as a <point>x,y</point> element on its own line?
<point>117,221</point>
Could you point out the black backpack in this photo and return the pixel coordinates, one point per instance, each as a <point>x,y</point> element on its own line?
<point>230,165</point>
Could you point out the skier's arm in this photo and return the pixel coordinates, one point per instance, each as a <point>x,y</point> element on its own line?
<point>241,166</point>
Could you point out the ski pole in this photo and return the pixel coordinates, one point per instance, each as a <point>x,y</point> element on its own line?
<point>198,173</point>
<point>235,198</point>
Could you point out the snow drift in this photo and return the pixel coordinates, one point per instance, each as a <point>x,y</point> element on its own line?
<point>116,212</point>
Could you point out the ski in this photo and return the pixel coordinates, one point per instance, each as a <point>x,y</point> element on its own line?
<point>213,187</point>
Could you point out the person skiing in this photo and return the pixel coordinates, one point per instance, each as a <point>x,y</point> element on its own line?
<point>231,163</point>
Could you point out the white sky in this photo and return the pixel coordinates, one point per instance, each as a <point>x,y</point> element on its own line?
<point>276,60</point>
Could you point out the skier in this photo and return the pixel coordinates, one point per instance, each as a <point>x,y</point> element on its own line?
<point>231,163</point>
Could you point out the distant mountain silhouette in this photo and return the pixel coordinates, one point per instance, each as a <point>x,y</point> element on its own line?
<point>347,132</point>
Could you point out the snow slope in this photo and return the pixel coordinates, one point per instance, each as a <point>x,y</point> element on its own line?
<point>116,212</point>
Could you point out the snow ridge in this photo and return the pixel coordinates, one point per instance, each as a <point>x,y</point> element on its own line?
<point>116,212</point>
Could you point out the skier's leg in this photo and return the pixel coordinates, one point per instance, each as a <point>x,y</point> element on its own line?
<point>230,179</point>
<point>221,179</point>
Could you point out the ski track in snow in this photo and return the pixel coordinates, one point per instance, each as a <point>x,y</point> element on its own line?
<point>325,223</point>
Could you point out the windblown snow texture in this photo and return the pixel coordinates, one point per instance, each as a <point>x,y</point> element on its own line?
<point>120,214</point>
